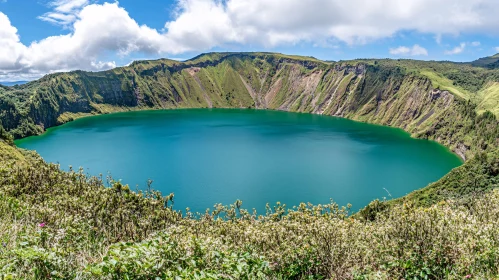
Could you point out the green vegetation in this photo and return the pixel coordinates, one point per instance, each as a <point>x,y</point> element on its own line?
<point>487,62</point>
<point>441,82</point>
<point>477,176</point>
<point>64,225</point>
<point>5,136</point>
<point>488,98</point>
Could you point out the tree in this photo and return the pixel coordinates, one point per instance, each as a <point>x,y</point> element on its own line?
<point>5,136</point>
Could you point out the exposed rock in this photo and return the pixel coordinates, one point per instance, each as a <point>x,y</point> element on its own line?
<point>193,70</point>
<point>461,150</point>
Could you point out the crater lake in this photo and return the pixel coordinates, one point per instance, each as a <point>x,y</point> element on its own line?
<point>209,156</point>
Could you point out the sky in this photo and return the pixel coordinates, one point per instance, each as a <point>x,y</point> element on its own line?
<point>44,36</point>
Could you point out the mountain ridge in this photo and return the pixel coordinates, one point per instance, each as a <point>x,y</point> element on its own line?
<point>403,93</point>
<point>487,62</point>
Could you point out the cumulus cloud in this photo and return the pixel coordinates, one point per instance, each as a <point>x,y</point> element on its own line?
<point>457,50</point>
<point>354,22</point>
<point>497,49</point>
<point>201,24</point>
<point>475,44</point>
<point>97,29</point>
<point>11,49</point>
<point>404,51</point>
<point>198,25</point>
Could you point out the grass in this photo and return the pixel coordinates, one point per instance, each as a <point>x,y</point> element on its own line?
<point>216,57</point>
<point>443,83</point>
<point>489,98</point>
<point>10,154</point>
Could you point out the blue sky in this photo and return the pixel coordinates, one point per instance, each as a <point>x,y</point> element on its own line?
<point>42,36</point>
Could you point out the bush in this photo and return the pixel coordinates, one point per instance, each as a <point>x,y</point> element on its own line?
<point>65,225</point>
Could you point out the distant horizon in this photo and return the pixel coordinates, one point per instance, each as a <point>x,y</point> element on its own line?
<point>13,83</point>
<point>21,82</point>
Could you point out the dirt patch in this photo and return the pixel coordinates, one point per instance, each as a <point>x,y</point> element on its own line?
<point>273,91</point>
<point>193,70</point>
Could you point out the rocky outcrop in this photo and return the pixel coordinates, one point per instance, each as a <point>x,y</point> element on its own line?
<point>461,150</point>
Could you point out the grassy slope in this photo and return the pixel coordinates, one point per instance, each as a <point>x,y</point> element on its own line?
<point>441,82</point>
<point>488,98</point>
<point>487,62</point>
<point>10,154</point>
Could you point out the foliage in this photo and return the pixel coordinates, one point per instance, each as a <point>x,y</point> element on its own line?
<point>489,98</point>
<point>440,82</point>
<point>5,136</point>
<point>490,62</point>
<point>166,258</point>
<point>477,176</point>
<point>62,225</point>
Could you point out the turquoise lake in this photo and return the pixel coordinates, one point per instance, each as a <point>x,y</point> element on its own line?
<point>208,156</point>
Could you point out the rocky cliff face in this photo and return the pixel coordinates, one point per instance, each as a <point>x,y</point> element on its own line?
<point>363,93</point>
<point>381,94</point>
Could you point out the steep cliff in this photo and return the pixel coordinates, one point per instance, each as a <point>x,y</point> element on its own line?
<point>395,93</point>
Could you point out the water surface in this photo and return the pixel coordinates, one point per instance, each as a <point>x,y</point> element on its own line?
<point>208,156</point>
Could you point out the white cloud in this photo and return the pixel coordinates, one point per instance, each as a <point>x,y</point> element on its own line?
<point>68,6</point>
<point>405,51</point>
<point>418,50</point>
<point>11,48</point>
<point>98,29</point>
<point>475,44</point>
<point>400,51</point>
<point>457,50</point>
<point>65,11</point>
<point>93,30</point>
<point>354,22</point>
<point>201,24</point>
<point>497,49</point>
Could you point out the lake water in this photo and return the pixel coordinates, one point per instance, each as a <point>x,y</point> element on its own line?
<point>208,156</point>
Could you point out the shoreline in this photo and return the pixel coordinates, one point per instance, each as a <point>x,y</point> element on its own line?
<point>461,156</point>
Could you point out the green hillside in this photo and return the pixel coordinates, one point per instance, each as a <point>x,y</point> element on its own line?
<point>65,225</point>
<point>487,62</point>
<point>488,98</point>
